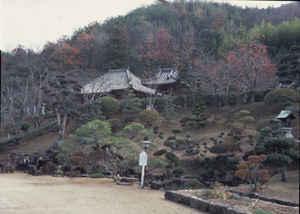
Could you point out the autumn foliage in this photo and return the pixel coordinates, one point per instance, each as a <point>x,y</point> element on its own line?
<point>250,170</point>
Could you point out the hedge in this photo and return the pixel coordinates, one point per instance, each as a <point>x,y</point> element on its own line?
<point>32,133</point>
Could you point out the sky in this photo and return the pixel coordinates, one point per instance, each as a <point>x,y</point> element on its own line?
<point>32,23</point>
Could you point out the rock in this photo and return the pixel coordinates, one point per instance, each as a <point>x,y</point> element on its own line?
<point>42,162</point>
<point>129,180</point>
<point>49,154</point>
<point>67,169</point>
<point>22,166</point>
<point>149,177</point>
<point>8,168</point>
<point>57,144</point>
<point>125,173</point>
<point>81,170</point>
<point>158,185</point>
<point>49,168</point>
<point>35,158</point>
<point>177,184</point>
<point>124,183</point>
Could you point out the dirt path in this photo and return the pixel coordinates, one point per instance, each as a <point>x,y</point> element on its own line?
<point>22,193</point>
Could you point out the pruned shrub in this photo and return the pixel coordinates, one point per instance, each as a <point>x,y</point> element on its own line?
<point>25,126</point>
<point>173,158</point>
<point>193,182</point>
<point>261,124</point>
<point>109,105</point>
<point>97,175</point>
<point>114,124</point>
<point>210,172</point>
<point>148,116</point>
<point>213,161</point>
<point>160,152</point>
<point>276,96</point>
<point>205,115</point>
<point>226,148</point>
<point>206,166</point>
<point>237,137</point>
<point>202,162</point>
<point>179,170</point>
<point>203,174</point>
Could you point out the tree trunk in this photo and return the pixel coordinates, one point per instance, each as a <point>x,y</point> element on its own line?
<point>284,175</point>
<point>104,153</point>
<point>252,97</point>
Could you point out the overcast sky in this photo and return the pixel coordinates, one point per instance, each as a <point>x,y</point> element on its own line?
<point>32,23</point>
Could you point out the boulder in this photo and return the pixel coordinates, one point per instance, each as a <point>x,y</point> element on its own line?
<point>158,185</point>
<point>128,180</point>
<point>81,170</point>
<point>34,158</point>
<point>42,162</point>
<point>149,177</point>
<point>57,144</point>
<point>49,154</point>
<point>177,184</point>
<point>22,166</point>
<point>49,168</point>
<point>8,168</point>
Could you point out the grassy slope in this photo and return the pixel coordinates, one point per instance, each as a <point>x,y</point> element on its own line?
<point>257,110</point>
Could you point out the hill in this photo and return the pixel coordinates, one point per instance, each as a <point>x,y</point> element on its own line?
<point>259,112</point>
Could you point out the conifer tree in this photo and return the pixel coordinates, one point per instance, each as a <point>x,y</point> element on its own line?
<point>117,50</point>
<point>131,105</point>
<point>199,105</point>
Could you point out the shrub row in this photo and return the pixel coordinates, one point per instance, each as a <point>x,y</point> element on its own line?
<point>211,99</point>
<point>32,133</point>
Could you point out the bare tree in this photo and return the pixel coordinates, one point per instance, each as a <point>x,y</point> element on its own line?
<point>14,98</point>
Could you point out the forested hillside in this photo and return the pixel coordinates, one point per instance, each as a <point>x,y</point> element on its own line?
<point>220,43</point>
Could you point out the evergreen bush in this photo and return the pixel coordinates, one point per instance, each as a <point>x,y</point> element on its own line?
<point>148,116</point>
<point>108,105</point>
<point>25,126</point>
<point>276,96</point>
<point>193,182</point>
<point>97,175</point>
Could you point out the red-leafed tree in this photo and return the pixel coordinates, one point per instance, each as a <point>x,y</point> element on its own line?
<point>84,43</point>
<point>250,67</point>
<point>65,56</point>
<point>159,50</point>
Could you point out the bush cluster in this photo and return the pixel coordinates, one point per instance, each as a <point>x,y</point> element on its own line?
<point>276,96</point>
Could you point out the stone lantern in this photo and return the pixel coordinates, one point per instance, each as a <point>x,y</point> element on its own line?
<point>286,117</point>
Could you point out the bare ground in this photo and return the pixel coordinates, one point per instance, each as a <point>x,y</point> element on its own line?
<point>22,193</point>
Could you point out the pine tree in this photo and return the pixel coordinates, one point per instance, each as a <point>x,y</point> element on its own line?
<point>199,105</point>
<point>117,50</point>
<point>131,105</point>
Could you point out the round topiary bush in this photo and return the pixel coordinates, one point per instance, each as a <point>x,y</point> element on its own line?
<point>210,172</point>
<point>193,182</point>
<point>25,126</point>
<point>109,105</point>
<point>179,170</point>
<point>203,174</point>
<point>114,124</point>
<point>275,96</point>
<point>148,115</point>
<point>213,161</point>
<point>206,166</point>
<point>160,152</point>
<point>202,162</point>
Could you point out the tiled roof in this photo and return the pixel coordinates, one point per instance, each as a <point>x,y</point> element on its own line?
<point>116,80</point>
<point>163,76</point>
